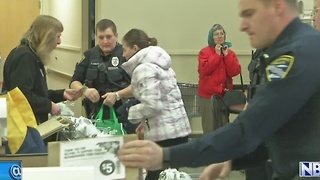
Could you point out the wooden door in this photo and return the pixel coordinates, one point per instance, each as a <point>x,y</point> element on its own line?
<point>16,17</point>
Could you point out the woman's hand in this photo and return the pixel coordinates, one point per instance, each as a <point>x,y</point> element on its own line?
<point>92,94</point>
<point>218,48</point>
<point>55,109</point>
<point>225,50</point>
<point>71,94</point>
<point>110,99</point>
<point>140,131</point>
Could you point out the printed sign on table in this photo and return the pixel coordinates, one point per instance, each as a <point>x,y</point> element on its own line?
<point>98,152</point>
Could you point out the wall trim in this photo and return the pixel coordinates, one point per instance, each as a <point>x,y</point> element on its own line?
<point>183,52</point>
<point>69,47</point>
<point>59,73</point>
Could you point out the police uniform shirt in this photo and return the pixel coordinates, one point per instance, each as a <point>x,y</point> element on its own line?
<point>109,79</point>
<point>252,67</point>
<point>284,112</point>
<point>82,67</point>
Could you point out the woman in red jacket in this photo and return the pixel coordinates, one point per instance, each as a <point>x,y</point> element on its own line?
<point>217,63</point>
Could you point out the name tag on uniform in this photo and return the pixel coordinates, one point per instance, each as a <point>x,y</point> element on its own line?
<point>113,68</point>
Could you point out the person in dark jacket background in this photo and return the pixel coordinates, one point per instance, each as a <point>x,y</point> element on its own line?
<point>25,68</point>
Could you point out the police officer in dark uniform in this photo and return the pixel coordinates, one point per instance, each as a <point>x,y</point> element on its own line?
<point>100,70</point>
<point>283,113</point>
<point>256,164</point>
<point>254,72</point>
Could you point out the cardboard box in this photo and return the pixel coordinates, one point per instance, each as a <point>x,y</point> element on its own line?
<point>3,118</point>
<point>54,157</point>
<point>55,173</point>
<point>28,160</point>
<point>53,125</point>
<point>2,149</point>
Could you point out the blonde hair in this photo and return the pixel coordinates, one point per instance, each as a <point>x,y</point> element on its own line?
<point>42,34</point>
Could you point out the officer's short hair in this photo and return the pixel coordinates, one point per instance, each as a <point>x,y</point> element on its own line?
<point>291,3</point>
<point>104,24</point>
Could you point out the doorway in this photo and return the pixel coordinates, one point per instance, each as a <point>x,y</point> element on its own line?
<point>16,17</point>
<point>92,17</point>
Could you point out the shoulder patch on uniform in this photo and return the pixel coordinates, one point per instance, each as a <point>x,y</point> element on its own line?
<point>279,68</point>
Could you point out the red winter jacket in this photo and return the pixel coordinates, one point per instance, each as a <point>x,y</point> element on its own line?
<point>213,69</point>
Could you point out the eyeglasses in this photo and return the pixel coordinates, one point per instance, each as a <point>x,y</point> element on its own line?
<point>315,10</point>
<point>218,34</point>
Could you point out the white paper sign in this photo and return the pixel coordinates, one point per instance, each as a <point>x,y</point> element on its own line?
<point>54,173</point>
<point>97,152</point>
<point>3,117</point>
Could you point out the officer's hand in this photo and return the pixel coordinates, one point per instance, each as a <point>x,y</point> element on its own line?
<point>140,131</point>
<point>71,94</point>
<point>55,109</point>
<point>218,48</point>
<point>225,50</point>
<point>109,99</point>
<point>141,153</point>
<point>214,171</point>
<point>92,94</point>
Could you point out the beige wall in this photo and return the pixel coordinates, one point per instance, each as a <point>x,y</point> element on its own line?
<point>69,52</point>
<point>64,58</point>
<point>308,4</point>
<point>181,27</point>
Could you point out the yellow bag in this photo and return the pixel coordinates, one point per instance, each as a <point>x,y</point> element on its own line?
<point>21,124</point>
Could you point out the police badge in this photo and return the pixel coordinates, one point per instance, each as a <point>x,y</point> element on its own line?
<point>115,61</point>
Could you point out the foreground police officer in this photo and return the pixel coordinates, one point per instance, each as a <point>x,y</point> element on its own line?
<point>100,70</point>
<point>284,112</point>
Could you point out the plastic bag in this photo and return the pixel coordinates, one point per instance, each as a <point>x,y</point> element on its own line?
<point>65,108</point>
<point>80,128</point>
<point>173,174</point>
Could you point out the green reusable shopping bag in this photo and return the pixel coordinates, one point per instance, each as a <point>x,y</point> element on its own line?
<point>111,125</point>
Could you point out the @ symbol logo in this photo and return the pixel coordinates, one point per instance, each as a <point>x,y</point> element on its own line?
<point>15,172</point>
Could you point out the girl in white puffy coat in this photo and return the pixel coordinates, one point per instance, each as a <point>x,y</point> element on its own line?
<point>161,112</point>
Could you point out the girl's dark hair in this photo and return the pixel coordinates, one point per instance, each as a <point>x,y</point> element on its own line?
<point>139,38</point>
